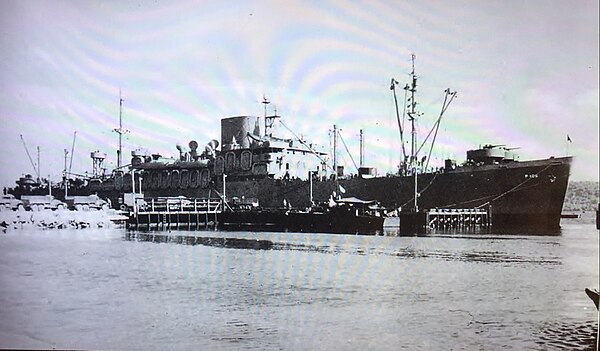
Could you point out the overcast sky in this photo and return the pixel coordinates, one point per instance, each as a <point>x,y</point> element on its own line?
<point>526,73</point>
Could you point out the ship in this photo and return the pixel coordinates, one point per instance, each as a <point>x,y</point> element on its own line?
<point>519,194</point>
<point>341,216</point>
<point>250,162</point>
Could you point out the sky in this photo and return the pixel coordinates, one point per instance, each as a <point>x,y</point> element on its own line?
<point>525,72</point>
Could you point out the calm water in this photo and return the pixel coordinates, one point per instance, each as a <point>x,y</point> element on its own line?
<point>98,289</point>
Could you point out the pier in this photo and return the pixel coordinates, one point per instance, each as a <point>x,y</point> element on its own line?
<point>175,213</point>
<point>444,219</point>
<point>458,218</point>
<point>182,213</point>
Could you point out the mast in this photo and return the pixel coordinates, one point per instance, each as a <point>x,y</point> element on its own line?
<point>310,187</point>
<point>335,151</point>
<point>67,171</point>
<point>120,131</point>
<point>265,102</point>
<point>269,120</point>
<point>65,176</point>
<point>362,149</point>
<point>39,180</point>
<point>120,152</point>
<point>412,115</point>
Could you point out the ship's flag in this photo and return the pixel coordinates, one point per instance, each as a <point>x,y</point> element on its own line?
<point>569,138</point>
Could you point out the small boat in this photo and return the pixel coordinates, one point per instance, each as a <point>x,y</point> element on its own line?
<point>593,294</point>
<point>342,216</point>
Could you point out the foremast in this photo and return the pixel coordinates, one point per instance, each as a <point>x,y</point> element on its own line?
<point>412,115</point>
<point>412,166</point>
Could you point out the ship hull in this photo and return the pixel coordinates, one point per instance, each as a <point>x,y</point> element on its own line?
<point>522,196</point>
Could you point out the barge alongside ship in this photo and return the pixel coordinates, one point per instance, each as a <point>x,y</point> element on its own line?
<point>252,163</point>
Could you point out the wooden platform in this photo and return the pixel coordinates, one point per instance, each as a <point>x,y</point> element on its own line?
<point>181,213</point>
<point>458,218</point>
<point>442,218</point>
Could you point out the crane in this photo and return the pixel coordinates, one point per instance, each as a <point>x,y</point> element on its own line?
<point>36,169</point>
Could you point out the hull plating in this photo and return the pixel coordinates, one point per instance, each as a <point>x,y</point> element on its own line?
<point>527,194</point>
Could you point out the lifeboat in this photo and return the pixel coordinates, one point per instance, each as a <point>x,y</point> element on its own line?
<point>194,179</point>
<point>155,180</point>
<point>246,160</point>
<point>165,180</point>
<point>175,177</point>
<point>184,179</point>
<point>204,178</point>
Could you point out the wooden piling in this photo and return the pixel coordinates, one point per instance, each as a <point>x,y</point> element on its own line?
<point>175,215</point>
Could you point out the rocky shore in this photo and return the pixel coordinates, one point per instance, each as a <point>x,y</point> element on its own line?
<point>60,219</point>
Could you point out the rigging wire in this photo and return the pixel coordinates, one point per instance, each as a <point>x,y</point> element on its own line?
<point>348,151</point>
<point>436,124</point>
<point>492,197</point>
<point>422,190</point>
<point>400,122</point>
<point>312,151</point>
<point>37,172</point>
<point>515,187</point>
<point>72,151</point>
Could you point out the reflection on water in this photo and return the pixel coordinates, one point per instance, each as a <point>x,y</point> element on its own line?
<point>232,243</point>
<point>190,290</point>
<point>395,231</point>
<point>568,336</point>
<point>256,244</point>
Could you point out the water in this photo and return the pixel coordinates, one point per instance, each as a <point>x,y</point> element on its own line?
<point>100,289</point>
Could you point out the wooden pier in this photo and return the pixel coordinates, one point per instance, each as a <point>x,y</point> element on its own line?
<point>458,218</point>
<point>175,213</point>
<point>444,219</point>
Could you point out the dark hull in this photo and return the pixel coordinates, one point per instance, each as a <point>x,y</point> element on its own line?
<point>342,222</point>
<point>526,195</point>
<point>592,294</point>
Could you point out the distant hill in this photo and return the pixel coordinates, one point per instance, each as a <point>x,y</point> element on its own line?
<point>582,196</point>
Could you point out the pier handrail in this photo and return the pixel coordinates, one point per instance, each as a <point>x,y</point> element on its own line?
<point>196,205</point>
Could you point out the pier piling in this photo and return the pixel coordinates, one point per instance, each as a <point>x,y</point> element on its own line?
<point>178,214</point>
